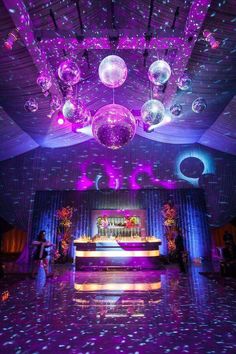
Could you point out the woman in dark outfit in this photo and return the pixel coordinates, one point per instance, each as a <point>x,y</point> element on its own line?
<point>40,253</point>
<point>179,244</point>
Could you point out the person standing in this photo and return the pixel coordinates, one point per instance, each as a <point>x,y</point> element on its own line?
<point>179,244</point>
<point>41,253</point>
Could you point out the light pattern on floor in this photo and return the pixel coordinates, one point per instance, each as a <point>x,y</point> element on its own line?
<point>72,314</point>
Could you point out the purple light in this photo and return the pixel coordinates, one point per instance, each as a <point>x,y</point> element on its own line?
<point>60,119</point>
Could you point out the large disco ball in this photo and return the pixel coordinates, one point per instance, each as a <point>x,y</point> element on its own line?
<point>76,112</point>
<point>113,126</point>
<point>44,82</point>
<point>184,82</point>
<point>69,72</point>
<point>112,71</point>
<point>159,72</point>
<point>31,105</point>
<point>176,109</point>
<point>199,105</point>
<point>152,112</point>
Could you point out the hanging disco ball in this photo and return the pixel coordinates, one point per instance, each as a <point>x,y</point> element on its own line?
<point>113,126</point>
<point>112,71</point>
<point>44,82</point>
<point>159,72</point>
<point>199,105</point>
<point>76,112</point>
<point>69,72</point>
<point>152,112</point>
<point>31,105</point>
<point>176,109</point>
<point>184,82</point>
<point>55,104</point>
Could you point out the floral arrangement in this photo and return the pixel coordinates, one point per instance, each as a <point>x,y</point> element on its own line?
<point>64,215</point>
<point>102,222</point>
<point>131,222</point>
<point>169,214</point>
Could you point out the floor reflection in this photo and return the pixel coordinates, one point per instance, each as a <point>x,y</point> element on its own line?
<point>122,294</point>
<point>119,312</point>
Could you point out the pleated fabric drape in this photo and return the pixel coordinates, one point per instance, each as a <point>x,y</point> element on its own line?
<point>14,241</point>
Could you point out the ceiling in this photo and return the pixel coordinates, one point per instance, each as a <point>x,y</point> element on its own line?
<point>140,31</point>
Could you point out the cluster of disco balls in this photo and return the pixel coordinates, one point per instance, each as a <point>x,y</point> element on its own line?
<point>153,111</point>
<point>113,125</point>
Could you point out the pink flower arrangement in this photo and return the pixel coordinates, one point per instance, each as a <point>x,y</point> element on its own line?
<point>169,214</point>
<point>64,213</point>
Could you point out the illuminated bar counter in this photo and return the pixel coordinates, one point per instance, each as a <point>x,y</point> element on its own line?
<point>125,252</point>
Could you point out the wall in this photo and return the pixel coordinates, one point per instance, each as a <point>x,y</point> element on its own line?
<point>142,164</point>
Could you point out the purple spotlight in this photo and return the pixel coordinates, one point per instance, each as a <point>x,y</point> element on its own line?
<point>60,119</point>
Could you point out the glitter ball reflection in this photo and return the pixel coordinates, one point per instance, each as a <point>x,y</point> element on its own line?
<point>69,72</point>
<point>44,82</point>
<point>159,72</point>
<point>152,112</point>
<point>199,105</point>
<point>184,82</point>
<point>113,126</point>
<point>31,105</point>
<point>112,71</point>
<point>76,112</point>
<point>176,109</point>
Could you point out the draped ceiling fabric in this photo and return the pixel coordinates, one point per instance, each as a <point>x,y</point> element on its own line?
<point>189,203</point>
<point>193,150</point>
<point>212,71</point>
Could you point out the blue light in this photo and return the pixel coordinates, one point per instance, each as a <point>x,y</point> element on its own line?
<point>204,157</point>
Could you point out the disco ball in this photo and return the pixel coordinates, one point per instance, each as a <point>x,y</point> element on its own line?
<point>69,72</point>
<point>184,82</point>
<point>199,105</point>
<point>112,71</point>
<point>152,112</point>
<point>31,105</point>
<point>113,126</point>
<point>176,109</point>
<point>55,104</point>
<point>76,112</point>
<point>44,82</point>
<point>159,72</point>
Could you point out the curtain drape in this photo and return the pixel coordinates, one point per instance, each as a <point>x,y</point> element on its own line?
<point>14,241</point>
<point>218,234</point>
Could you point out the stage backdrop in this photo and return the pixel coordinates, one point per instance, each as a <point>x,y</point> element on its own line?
<point>190,204</point>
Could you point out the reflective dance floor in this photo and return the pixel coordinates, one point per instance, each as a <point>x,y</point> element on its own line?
<point>119,312</point>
